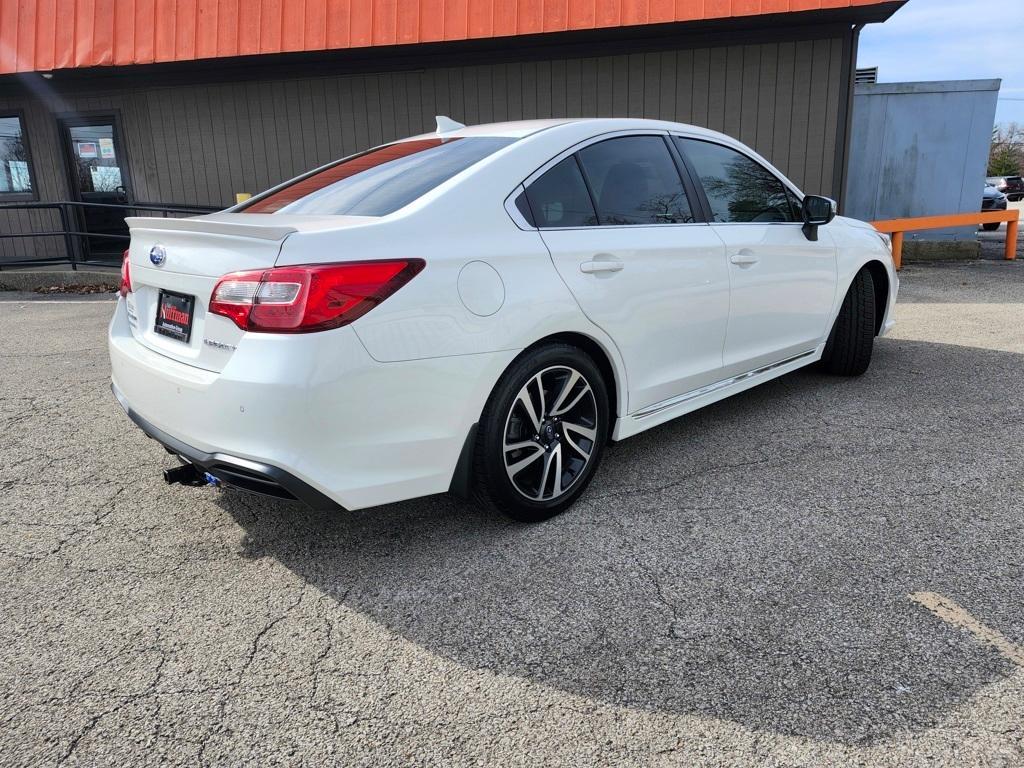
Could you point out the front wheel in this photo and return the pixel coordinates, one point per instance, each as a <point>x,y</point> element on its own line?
<point>991,226</point>
<point>849,346</point>
<point>542,433</point>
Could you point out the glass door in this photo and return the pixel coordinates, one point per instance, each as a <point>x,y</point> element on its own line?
<point>98,174</point>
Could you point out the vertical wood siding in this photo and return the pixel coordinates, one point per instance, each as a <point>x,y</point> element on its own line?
<point>200,144</point>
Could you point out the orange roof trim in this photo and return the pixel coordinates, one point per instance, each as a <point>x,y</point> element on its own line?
<point>42,35</point>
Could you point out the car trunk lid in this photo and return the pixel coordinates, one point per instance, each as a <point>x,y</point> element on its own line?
<point>196,253</point>
<point>186,258</point>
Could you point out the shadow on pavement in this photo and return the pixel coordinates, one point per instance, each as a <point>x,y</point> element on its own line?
<point>750,562</point>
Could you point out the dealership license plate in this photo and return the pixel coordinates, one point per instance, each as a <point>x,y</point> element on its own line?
<point>174,315</point>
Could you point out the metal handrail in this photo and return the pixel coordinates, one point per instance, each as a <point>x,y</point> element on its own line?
<point>74,237</point>
<point>898,227</point>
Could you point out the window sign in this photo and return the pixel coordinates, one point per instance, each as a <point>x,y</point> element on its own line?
<point>87,149</point>
<point>105,178</point>
<point>18,172</point>
<point>107,148</point>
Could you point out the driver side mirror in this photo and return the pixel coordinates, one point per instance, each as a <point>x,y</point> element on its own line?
<point>817,212</point>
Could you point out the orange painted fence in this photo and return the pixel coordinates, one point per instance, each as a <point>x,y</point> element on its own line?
<point>897,228</point>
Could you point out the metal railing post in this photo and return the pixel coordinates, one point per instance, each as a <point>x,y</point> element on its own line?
<point>70,246</point>
<point>1011,239</point>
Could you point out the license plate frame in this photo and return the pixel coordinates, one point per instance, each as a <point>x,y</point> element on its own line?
<point>176,324</point>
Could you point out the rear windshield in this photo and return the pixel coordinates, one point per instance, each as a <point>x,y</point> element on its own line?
<point>380,181</point>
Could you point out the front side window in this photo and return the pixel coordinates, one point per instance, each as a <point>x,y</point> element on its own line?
<point>380,181</point>
<point>738,189</point>
<point>635,181</point>
<point>15,177</point>
<point>559,198</point>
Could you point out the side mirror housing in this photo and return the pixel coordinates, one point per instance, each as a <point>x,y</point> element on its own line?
<point>817,211</point>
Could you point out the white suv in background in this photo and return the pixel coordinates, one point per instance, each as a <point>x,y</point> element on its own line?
<point>482,309</point>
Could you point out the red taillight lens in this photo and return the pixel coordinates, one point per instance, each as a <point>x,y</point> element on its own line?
<point>126,275</point>
<point>308,298</point>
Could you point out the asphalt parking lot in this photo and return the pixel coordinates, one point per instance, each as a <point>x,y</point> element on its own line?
<point>817,572</point>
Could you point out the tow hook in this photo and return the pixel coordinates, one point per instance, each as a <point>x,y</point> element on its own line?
<point>186,474</point>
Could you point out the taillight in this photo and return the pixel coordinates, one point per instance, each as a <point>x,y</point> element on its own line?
<point>308,298</point>
<point>126,275</point>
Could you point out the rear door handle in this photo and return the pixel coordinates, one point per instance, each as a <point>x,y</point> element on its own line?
<point>744,259</point>
<point>590,267</point>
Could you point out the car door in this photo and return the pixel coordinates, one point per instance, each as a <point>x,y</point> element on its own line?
<point>783,285</point>
<point>618,221</point>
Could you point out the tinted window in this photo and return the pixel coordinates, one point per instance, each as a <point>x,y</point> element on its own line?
<point>635,181</point>
<point>739,189</point>
<point>380,181</point>
<point>14,173</point>
<point>559,198</point>
<point>796,204</point>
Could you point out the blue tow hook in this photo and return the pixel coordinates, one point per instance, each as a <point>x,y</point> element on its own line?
<point>211,480</point>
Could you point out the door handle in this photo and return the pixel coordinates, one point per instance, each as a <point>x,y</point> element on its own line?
<point>590,267</point>
<point>744,259</point>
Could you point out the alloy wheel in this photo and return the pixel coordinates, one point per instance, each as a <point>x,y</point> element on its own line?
<point>550,433</point>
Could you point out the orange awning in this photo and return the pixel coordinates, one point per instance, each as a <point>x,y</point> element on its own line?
<point>43,35</point>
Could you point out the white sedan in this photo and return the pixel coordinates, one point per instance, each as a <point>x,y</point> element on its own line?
<point>480,310</point>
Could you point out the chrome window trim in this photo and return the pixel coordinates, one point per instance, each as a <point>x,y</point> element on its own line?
<point>514,213</point>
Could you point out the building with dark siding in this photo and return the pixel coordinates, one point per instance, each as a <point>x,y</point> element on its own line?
<point>188,103</point>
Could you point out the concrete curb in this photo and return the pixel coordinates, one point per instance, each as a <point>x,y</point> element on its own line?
<point>31,279</point>
<point>941,250</point>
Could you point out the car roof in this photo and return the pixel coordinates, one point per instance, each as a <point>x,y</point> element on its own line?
<point>519,129</point>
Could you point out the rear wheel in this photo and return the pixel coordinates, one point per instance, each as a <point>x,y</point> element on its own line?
<point>849,346</point>
<point>991,226</point>
<point>542,433</point>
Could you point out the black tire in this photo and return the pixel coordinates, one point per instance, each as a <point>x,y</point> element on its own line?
<point>849,346</point>
<point>990,227</point>
<point>505,416</point>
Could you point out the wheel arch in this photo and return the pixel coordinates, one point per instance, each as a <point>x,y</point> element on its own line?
<point>607,363</point>
<point>603,360</point>
<point>880,279</point>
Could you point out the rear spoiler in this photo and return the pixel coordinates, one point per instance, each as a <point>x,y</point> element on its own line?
<point>209,226</point>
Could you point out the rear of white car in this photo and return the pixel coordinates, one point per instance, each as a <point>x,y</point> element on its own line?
<point>234,346</point>
<point>306,415</point>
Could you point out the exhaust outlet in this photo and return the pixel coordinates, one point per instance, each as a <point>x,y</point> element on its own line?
<point>186,474</point>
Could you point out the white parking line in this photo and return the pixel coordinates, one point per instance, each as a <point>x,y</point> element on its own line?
<point>951,613</point>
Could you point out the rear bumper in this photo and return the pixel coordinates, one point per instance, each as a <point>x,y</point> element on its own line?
<point>252,476</point>
<point>309,415</point>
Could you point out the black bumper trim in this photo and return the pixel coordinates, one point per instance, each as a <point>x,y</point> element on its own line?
<point>243,474</point>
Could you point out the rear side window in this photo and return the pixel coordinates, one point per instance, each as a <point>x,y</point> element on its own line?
<point>738,189</point>
<point>380,181</point>
<point>559,198</point>
<point>635,181</point>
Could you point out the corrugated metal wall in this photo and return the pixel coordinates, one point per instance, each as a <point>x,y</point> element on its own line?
<point>200,144</point>
<point>920,149</point>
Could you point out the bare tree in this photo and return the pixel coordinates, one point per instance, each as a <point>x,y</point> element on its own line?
<point>1006,156</point>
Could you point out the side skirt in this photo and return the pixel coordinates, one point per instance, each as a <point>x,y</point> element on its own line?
<point>659,413</point>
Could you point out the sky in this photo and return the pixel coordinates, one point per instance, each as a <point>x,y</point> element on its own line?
<point>952,40</point>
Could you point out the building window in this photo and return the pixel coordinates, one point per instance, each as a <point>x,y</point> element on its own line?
<point>15,170</point>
